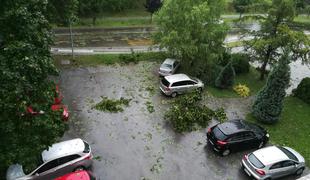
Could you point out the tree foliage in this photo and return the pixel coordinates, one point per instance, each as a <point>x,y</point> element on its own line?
<point>226,77</point>
<point>62,11</point>
<point>275,36</point>
<point>152,6</point>
<point>268,105</point>
<point>241,6</point>
<point>25,65</point>
<point>303,90</point>
<point>191,31</point>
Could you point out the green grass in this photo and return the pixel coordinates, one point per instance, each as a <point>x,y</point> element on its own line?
<point>292,130</point>
<point>110,22</point>
<point>250,79</point>
<point>109,59</point>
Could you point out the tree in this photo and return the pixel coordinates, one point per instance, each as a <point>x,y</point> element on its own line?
<point>62,11</point>
<point>91,8</point>
<point>226,77</point>
<point>25,65</point>
<point>152,6</point>
<point>241,6</point>
<point>268,104</point>
<point>275,35</point>
<point>191,31</point>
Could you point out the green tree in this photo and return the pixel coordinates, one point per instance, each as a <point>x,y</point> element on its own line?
<point>241,6</point>
<point>191,31</point>
<point>226,77</point>
<point>62,11</point>
<point>275,35</point>
<point>268,104</point>
<point>91,8</point>
<point>152,6</point>
<point>25,65</point>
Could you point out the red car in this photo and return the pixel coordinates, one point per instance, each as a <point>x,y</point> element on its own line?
<point>78,175</point>
<point>57,106</point>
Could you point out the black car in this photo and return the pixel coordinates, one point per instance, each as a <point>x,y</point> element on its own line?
<point>236,135</point>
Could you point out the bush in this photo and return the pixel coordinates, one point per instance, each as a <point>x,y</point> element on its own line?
<point>112,105</point>
<point>129,58</point>
<point>242,90</point>
<point>226,77</point>
<point>303,90</point>
<point>240,63</point>
<point>187,114</point>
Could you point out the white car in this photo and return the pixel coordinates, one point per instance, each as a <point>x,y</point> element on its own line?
<point>273,162</point>
<point>168,67</point>
<point>59,159</point>
<point>178,84</point>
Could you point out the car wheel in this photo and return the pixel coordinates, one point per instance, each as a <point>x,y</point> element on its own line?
<point>299,171</point>
<point>80,168</point>
<point>226,152</point>
<point>268,179</point>
<point>174,94</point>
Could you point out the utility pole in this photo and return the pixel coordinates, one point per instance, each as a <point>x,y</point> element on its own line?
<point>71,37</point>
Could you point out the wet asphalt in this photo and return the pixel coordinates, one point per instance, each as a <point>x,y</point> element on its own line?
<point>136,144</point>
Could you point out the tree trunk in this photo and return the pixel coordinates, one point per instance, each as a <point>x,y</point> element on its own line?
<point>240,15</point>
<point>94,20</point>
<point>151,18</point>
<point>263,70</point>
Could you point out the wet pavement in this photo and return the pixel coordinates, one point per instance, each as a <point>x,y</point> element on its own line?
<point>136,144</point>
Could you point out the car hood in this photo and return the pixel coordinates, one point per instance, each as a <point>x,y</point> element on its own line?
<point>165,69</point>
<point>14,171</point>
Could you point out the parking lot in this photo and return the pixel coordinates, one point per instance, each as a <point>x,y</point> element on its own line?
<point>136,144</point>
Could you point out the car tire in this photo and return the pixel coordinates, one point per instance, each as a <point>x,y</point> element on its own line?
<point>80,168</point>
<point>174,94</point>
<point>226,152</point>
<point>267,179</point>
<point>299,171</point>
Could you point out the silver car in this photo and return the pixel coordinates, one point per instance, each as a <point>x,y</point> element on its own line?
<point>168,67</point>
<point>273,162</point>
<point>59,159</point>
<point>178,84</point>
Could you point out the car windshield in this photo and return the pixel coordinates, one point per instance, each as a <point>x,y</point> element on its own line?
<point>165,82</point>
<point>253,159</point>
<point>288,153</point>
<point>169,66</point>
<point>219,134</point>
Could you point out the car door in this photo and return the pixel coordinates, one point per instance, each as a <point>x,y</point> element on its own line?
<point>191,85</point>
<point>66,165</point>
<point>179,87</point>
<point>235,142</point>
<point>249,140</point>
<point>45,171</point>
<point>282,168</point>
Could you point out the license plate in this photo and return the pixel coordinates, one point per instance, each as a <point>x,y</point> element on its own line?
<point>247,171</point>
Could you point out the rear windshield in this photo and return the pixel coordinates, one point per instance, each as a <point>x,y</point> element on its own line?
<point>87,148</point>
<point>219,134</point>
<point>288,153</point>
<point>166,66</point>
<point>253,159</point>
<point>165,82</point>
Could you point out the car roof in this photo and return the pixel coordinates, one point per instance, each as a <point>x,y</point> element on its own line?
<point>177,77</point>
<point>61,149</point>
<point>270,155</point>
<point>233,126</point>
<point>169,61</point>
<point>78,175</point>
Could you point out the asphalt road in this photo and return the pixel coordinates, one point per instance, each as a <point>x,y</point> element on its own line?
<point>136,144</point>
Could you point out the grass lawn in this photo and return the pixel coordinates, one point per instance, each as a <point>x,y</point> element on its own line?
<point>292,130</point>
<point>109,59</point>
<point>117,22</point>
<point>250,79</point>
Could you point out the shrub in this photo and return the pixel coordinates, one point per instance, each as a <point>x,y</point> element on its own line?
<point>220,115</point>
<point>226,77</point>
<point>129,58</point>
<point>240,63</point>
<point>303,90</point>
<point>268,105</point>
<point>187,114</point>
<point>242,90</point>
<point>112,105</point>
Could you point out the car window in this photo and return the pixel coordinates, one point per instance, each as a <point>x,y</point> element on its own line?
<point>256,162</point>
<point>276,166</point>
<point>248,135</point>
<point>237,137</point>
<point>165,82</point>
<point>287,163</point>
<point>47,166</point>
<point>218,133</point>
<point>190,82</point>
<point>66,159</point>
<point>180,83</point>
<point>288,153</point>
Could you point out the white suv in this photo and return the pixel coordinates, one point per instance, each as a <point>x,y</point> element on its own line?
<point>178,84</point>
<point>59,159</point>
